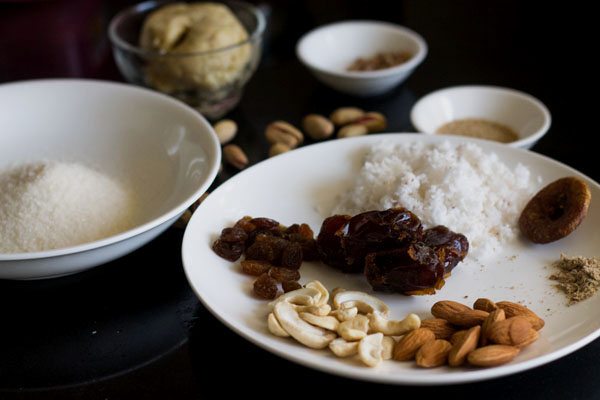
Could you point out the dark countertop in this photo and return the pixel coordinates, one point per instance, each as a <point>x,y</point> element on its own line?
<point>134,329</point>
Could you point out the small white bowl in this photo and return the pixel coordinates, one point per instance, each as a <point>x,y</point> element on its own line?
<point>166,151</point>
<point>329,50</point>
<point>524,114</point>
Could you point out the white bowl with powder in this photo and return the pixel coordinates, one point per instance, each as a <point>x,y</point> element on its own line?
<point>485,112</point>
<point>92,170</point>
<point>329,50</point>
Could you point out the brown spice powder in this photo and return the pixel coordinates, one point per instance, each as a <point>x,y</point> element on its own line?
<point>379,61</point>
<point>578,278</point>
<point>479,128</point>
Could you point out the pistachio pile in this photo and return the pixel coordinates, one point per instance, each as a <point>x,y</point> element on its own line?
<point>283,136</point>
<point>350,121</point>
<point>226,129</point>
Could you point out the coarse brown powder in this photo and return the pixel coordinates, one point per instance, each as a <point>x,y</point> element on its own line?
<point>479,128</point>
<point>380,61</point>
<point>578,277</point>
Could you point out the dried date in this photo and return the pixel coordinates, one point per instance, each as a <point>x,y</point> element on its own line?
<point>451,247</point>
<point>345,241</point>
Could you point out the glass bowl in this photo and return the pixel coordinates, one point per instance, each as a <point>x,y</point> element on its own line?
<point>210,81</point>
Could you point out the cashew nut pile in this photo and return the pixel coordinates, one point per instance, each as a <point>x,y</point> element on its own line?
<point>355,324</point>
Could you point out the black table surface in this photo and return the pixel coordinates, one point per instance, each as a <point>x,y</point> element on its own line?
<point>134,329</point>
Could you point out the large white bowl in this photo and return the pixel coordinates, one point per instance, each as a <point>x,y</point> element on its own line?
<point>526,115</point>
<point>165,149</point>
<point>329,50</point>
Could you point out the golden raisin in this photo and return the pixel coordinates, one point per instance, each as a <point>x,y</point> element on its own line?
<point>288,286</point>
<point>255,267</point>
<point>284,274</point>
<point>266,287</point>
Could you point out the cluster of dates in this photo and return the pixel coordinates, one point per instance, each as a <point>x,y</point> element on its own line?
<point>273,252</point>
<point>392,249</point>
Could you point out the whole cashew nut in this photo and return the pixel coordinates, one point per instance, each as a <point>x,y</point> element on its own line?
<point>365,303</point>
<point>302,331</point>
<point>377,323</point>
<point>302,297</point>
<point>325,322</point>
<point>275,327</point>
<point>342,348</point>
<point>344,314</point>
<point>354,329</point>
<point>370,349</point>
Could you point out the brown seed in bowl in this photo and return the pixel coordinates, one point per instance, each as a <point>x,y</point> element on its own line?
<point>556,210</point>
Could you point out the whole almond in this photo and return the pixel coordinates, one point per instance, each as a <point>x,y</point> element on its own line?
<point>226,130</point>
<point>373,121</point>
<point>457,336</point>
<point>433,353</point>
<point>235,156</point>
<point>512,331</point>
<point>283,132</point>
<point>346,115</point>
<point>406,348</point>
<point>277,149</point>
<point>491,356</point>
<point>441,328</point>
<point>517,310</point>
<point>458,314</point>
<point>459,352</point>
<point>317,126</point>
<point>484,305</point>
<point>352,130</point>
<point>531,337</point>
<point>445,308</point>
<point>495,316</point>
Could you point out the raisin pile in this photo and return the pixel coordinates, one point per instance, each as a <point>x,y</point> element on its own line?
<point>273,253</point>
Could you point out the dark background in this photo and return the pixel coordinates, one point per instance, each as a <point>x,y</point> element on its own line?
<point>134,329</point>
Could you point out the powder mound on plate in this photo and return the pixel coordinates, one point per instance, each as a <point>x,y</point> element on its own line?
<point>456,185</point>
<point>51,205</point>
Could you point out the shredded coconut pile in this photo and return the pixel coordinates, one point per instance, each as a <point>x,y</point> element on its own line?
<point>53,205</point>
<point>456,185</point>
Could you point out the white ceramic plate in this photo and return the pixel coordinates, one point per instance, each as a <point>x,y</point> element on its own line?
<point>294,188</point>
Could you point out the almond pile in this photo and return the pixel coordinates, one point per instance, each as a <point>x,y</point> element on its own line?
<point>487,335</point>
